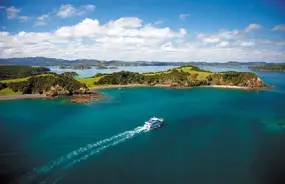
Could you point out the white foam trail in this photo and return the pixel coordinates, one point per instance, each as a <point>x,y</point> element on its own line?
<point>50,170</point>
<point>130,134</point>
<point>70,156</point>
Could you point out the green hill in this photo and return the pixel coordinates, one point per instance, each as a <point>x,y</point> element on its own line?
<point>184,76</point>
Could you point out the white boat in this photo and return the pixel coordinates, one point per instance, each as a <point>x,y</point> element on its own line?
<point>153,123</point>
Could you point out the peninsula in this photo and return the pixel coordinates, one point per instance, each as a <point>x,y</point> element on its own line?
<point>50,84</point>
<point>187,76</point>
<point>269,67</point>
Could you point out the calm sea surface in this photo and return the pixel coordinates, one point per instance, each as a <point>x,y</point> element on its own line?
<point>211,136</point>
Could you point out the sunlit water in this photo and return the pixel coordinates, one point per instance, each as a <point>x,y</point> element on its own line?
<point>210,136</point>
<point>91,72</point>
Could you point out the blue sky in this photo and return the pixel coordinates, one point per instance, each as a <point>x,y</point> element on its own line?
<point>173,30</point>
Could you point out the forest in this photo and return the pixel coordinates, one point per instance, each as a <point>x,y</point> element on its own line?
<point>20,71</point>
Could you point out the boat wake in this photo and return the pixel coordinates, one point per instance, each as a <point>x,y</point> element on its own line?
<point>78,155</point>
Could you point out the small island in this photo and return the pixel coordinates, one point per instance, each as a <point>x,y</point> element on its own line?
<point>52,85</point>
<point>42,84</point>
<point>187,76</point>
<point>101,67</point>
<point>269,67</point>
<point>76,67</point>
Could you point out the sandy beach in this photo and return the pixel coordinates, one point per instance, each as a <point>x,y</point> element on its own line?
<point>127,86</point>
<point>167,86</point>
<point>33,96</point>
<point>19,97</point>
<point>226,86</point>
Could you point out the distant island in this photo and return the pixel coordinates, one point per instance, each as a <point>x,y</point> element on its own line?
<point>102,67</point>
<point>269,67</point>
<point>84,67</point>
<point>76,67</point>
<point>43,61</point>
<point>64,85</point>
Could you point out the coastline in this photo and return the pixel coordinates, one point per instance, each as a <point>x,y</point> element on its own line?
<point>21,97</point>
<point>169,86</point>
<point>92,89</point>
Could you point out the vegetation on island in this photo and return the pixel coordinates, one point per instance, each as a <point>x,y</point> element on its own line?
<point>185,76</point>
<point>50,85</point>
<point>76,67</point>
<point>101,67</point>
<point>269,67</point>
<point>20,71</point>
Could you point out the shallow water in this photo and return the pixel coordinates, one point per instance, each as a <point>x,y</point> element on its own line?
<point>210,136</point>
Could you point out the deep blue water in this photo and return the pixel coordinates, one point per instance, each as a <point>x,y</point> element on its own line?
<point>210,136</point>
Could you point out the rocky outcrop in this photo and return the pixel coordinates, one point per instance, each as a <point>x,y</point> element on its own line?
<point>86,98</point>
<point>56,91</point>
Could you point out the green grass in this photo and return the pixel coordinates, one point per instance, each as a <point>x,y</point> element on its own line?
<point>8,91</point>
<point>201,75</point>
<point>89,81</point>
<point>188,69</point>
<point>20,79</point>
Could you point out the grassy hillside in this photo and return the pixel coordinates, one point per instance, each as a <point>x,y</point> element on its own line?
<point>49,84</point>
<point>21,79</point>
<point>89,81</point>
<point>184,76</point>
<point>8,91</point>
<point>20,71</point>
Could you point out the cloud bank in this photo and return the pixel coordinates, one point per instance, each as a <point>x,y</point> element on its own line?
<point>130,38</point>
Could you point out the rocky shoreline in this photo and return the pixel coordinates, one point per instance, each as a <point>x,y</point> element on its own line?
<point>86,98</point>
<point>93,95</point>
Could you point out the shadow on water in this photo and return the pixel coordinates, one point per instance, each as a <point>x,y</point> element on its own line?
<point>269,165</point>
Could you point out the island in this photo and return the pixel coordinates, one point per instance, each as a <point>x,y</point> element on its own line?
<point>101,67</point>
<point>269,67</point>
<point>42,84</point>
<point>187,76</point>
<point>84,90</point>
<point>76,67</point>
<point>113,67</point>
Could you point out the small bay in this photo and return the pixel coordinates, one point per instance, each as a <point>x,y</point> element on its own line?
<point>210,136</point>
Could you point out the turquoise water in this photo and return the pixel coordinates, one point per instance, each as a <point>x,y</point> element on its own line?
<point>210,136</point>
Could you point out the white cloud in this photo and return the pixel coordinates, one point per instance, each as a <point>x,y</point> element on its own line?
<point>226,35</point>
<point>158,22</point>
<point>246,44</point>
<point>41,20</point>
<point>183,16</point>
<point>127,27</point>
<point>223,44</point>
<point>88,7</point>
<point>43,17</point>
<point>69,10</point>
<point>12,12</point>
<point>252,27</point>
<point>208,38</point>
<point>280,27</point>
<point>126,22</point>
<point>23,18</point>
<point>128,38</point>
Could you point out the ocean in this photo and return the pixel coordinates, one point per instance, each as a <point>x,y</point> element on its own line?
<point>210,136</point>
